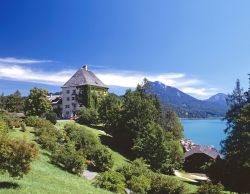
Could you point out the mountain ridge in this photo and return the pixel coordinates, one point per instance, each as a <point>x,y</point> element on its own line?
<point>187,106</point>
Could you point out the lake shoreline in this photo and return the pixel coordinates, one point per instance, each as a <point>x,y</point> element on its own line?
<point>208,131</point>
<point>209,118</point>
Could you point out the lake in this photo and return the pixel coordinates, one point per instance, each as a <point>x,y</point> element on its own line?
<point>205,131</point>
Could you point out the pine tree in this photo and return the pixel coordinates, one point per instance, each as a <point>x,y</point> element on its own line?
<point>236,147</point>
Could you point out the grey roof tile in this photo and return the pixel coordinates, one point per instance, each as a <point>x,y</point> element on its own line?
<point>84,77</point>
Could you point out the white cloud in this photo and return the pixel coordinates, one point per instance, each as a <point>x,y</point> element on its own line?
<point>190,85</point>
<point>20,73</point>
<point>13,60</point>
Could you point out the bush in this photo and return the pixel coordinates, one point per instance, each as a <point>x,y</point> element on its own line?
<point>37,122</point>
<point>112,181</point>
<point>3,127</point>
<point>23,127</point>
<point>10,119</point>
<point>16,156</point>
<point>88,116</point>
<point>52,117</point>
<point>82,138</point>
<point>49,137</point>
<point>162,184</point>
<point>139,184</point>
<point>209,188</point>
<point>67,157</point>
<point>102,159</point>
<point>135,169</point>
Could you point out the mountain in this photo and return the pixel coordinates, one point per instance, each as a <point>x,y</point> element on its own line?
<point>218,98</point>
<point>187,106</point>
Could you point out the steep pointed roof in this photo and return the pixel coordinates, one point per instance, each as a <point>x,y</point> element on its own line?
<point>84,77</point>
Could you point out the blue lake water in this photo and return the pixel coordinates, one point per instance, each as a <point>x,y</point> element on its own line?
<point>205,131</point>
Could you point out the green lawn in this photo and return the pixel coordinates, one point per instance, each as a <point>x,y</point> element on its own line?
<point>118,158</point>
<point>45,177</point>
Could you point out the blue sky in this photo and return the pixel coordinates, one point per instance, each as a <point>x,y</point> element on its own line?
<point>201,47</point>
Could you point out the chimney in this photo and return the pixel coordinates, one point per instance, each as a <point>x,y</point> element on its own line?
<point>85,67</point>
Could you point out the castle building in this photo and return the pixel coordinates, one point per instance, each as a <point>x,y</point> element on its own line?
<point>83,89</point>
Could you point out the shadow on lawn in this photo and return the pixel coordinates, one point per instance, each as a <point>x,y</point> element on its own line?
<point>8,185</point>
<point>116,146</point>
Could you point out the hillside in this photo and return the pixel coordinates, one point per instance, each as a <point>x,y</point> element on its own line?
<point>187,106</point>
<point>48,178</point>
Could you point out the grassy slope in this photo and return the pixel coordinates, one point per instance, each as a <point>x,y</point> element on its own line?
<point>118,158</point>
<point>45,177</point>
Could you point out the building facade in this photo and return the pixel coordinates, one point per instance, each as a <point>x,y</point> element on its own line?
<point>82,90</point>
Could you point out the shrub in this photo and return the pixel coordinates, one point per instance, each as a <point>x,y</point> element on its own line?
<point>67,157</point>
<point>139,184</point>
<point>10,119</point>
<point>88,116</point>
<point>52,117</point>
<point>49,136</point>
<point>102,158</point>
<point>23,127</point>
<point>16,122</point>
<point>112,181</point>
<point>135,169</point>
<point>3,127</point>
<point>161,184</point>
<point>209,188</point>
<point>16,156</point>
<point>82,138</point>
<point>33,121</point>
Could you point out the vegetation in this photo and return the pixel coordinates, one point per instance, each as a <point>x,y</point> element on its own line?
<point>102,159</point>
<point>37,103</point>
<point>139,184</point>
<point>137,122</point>
<point>161,184</point>
<point>140,179</point>
<point>44,176</point>
<point>234,170</point>
<point>12,103</point>
<point>88,116</point>
<point>16,155</point>
<point>209,188</point>
<point>52,117</point>
<point>67,157</point>
<point>87,144</point>
<point>112,181</point>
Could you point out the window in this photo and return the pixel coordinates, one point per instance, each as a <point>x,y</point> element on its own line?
<point>74,91</point>
<point>68,91</point>
<point>67,98</point>
<point>73,98</point>
<point>67,112</point>
<point>66,106</point>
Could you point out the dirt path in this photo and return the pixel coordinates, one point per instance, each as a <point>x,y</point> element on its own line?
<point>194,177</point>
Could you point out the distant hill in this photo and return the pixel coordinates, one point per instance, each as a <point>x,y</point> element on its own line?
<point>187,106</point>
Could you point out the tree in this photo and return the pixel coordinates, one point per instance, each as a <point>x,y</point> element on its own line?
<point>137,125</point>
<point>158,148</point>
<point>37,103</point>
<point>2,102</point>
<point>109,111</point>
<point>171,123</point>
<point>14,102</point>
<point>234,169</point>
